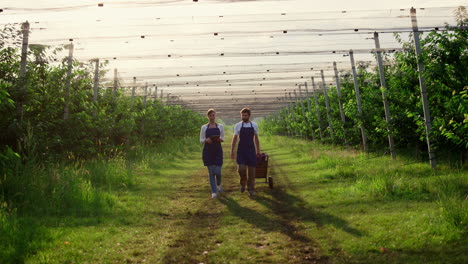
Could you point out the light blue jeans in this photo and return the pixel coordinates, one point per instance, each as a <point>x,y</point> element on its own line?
<point>214,172</point>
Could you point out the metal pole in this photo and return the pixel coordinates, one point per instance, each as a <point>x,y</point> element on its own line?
<point>301,99</point>
<point>144,105</point>
<point>286,106</point>
<point>289,113</point>
<point>155,92</point>
<point>161,95</point>
<point>114,91</point>
<point>297,119</point>
<point>150,92</point>
<point>327,104</point>
<point>293,113</point>
<point>317,108</point>
<point>66,110</point>
<point>308,109</point>
<point>96,81</point>
<point>133,91</point>
<point>338,91</point>
<point>146,94</point>
<point>383,84</point>
<point>358,100</point>
<point>422,84</point>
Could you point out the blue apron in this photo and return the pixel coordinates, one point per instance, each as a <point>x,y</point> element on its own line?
<point>246,150</point>
<point>212,153</point>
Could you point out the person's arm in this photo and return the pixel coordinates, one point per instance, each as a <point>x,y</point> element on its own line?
<point>202,134</point>
<point>221,136</point>
<point>233,146</point>
<point>256,140</point>
<point>234,141</point>
<point>257,143</point>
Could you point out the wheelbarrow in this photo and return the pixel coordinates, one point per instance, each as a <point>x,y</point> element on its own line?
<point>261,170</point>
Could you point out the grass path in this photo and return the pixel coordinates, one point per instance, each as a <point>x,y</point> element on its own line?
<point>169,217</point>
<point>233,228</point>
<point>315,214</point>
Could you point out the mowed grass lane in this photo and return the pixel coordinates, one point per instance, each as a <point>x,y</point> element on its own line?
<point>169,217</point>
<point>329,205</point>
<point>366,209</point>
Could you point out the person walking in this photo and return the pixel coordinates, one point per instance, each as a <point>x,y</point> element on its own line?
<point>212,134</point>
<point>246,132</point>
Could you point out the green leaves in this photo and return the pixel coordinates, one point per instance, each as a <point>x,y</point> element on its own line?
<point>446,73</point>
<point>92,128</point>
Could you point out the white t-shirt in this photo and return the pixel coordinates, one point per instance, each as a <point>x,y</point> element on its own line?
<point>203,132</point>
<point>238,127</point>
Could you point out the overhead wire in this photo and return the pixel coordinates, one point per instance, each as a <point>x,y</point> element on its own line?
<point>241,35</point>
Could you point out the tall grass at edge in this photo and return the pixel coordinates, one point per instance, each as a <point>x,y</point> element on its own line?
<point>385,179</point>
<point>33,190</point>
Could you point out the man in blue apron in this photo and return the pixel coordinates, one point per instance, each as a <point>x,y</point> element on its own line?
<point>246,132</point>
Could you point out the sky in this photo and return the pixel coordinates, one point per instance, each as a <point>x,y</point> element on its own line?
<point>217,47</point>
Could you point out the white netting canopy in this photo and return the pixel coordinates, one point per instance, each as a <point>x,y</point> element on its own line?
<point>223,53</point>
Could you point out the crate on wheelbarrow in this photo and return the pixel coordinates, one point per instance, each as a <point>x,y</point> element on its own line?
<point>261,171</point>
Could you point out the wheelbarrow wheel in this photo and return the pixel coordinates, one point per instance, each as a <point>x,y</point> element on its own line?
<point>270,182</point>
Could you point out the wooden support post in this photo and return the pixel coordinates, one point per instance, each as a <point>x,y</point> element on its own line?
<point>358,100</point>
<point>343,117</point>
<point>319,119</point>
<point>308,109</point>
<point>24,48</point>
<point>66,110</point>
<point>422,84</point>
<point>24,58</point>
<point>383,85</point>
<point>327,105</point>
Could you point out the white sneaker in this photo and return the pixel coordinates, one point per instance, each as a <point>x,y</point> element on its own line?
<point>220,190</point>
<point>213,195</point>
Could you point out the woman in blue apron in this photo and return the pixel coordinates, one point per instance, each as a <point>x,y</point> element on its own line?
<point>212,134</point>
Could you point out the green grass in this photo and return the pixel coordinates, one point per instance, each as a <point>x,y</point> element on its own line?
<point>69,212</point>
<point>357,205</point>
<point>329,205</point>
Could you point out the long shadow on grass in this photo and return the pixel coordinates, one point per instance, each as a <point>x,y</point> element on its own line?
<point>287,204</point>
<point>264,222</point>
<point>283,200</point>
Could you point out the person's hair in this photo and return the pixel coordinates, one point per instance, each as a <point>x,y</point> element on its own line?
<point>245,110</point>
<point>211,110</point>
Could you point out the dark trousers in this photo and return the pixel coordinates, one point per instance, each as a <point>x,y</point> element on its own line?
<point>247,176</point>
